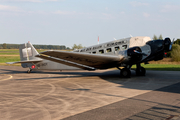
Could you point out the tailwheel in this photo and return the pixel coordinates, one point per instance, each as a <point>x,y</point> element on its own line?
<point>125,72</point>
<point>29,71</point>
<point>141,71</point>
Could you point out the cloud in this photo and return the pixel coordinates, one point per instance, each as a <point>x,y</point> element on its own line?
<point>35,1</point>
<point>146,15</point>
<point>138,4</point>
<point>170,8</point>
<point>64,12</point>
<point>9,8</point>
<point>122,12</point>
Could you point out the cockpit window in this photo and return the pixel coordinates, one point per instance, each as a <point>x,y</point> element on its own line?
<point>117,48</point>
<point>108,50</point>
<point>124,47</point>
<point>101,51</point>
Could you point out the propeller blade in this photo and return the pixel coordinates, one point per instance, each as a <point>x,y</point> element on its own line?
<point>140,53</point>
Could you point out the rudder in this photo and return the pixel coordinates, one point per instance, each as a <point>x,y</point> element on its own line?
<point>27,53</point>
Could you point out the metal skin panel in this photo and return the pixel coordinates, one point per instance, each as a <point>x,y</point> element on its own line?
<point>98,61</point>
<point>106,60</point>
<point>117,53</point>
<point>51,65</point>
<point>62,64</point>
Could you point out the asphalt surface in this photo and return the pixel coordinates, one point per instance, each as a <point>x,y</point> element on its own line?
<point>85,95</point>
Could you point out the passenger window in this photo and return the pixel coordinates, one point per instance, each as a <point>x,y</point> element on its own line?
<point>94,52</point>
<point>124,47</point>
<point>101,51</point>
<point>117,48</point>
<point>108,50</point>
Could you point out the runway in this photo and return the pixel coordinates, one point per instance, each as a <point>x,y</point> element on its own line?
<point>88,95</point>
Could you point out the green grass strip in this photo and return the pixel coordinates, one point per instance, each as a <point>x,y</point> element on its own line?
<point>161,67</point>
<point>4,59</point>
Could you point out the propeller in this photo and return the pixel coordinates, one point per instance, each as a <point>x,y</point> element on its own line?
<point>140,53</point>
<point>168,44</point>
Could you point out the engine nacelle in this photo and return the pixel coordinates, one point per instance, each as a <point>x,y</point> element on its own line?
<point>135,54</point>
<point>132,55</point>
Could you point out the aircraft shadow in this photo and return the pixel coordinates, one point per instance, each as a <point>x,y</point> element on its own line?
<point>112,76</point>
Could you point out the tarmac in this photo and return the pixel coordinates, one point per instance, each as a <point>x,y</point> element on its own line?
<point>88,95</point>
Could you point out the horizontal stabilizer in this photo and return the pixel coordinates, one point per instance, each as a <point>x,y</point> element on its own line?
<point>27,61</point>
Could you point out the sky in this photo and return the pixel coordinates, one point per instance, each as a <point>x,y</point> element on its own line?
<point>69,22</point>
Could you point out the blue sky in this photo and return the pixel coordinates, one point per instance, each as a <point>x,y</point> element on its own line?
<point>68,22</point>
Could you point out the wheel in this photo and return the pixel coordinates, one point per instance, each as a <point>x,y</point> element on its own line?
<point>125,73</point>
<point>141,71</point>
<point>29,71</point>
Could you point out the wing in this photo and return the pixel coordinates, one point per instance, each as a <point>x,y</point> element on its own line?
<point>98,61</point>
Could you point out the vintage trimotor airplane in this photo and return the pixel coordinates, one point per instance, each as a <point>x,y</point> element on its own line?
<point>122,53</point>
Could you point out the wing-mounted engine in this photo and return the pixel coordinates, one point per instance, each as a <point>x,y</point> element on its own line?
<point>132,55</point>
<point>135,54</point>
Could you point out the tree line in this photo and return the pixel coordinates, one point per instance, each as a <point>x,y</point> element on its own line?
<point>16,46</point>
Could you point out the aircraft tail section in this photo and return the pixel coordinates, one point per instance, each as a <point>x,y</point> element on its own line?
<point>27,55</point>
<point>27,52</point>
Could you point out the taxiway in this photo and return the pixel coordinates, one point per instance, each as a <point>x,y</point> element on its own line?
<point>88,95</point>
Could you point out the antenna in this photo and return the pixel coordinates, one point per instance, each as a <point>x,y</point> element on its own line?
<point>114,38</point>
<point>130,35</point>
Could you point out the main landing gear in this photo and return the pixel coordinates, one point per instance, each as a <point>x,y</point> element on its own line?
<point>140,71</point>
<point>126,71</point>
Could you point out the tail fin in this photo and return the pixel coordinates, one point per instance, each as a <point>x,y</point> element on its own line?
<point>27,54</point>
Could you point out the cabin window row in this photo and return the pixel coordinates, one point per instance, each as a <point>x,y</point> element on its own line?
<point>108,50</point>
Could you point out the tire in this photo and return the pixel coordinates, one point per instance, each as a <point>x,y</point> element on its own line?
<point>126,73</point>
<point>141,71</point>
<point>29,71</point>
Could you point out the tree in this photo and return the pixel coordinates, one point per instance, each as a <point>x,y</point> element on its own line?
<point>4,46</point>
<point>177,42</point>
<point>175,53</point>
<point>160,37</point>
<point>77,46</point>
<point>155,37</point>
<point>80,46</point>
<point>74,47</point>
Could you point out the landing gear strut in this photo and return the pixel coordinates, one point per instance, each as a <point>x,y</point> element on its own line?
<point>126,71</point>
<point>140,71</point>
<point>29,71</point>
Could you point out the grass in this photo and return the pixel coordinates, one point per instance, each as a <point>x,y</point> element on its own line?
<point>4,59</point>
<point>161,67</point>
<point>12,55</point>
<point>9,52</point>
